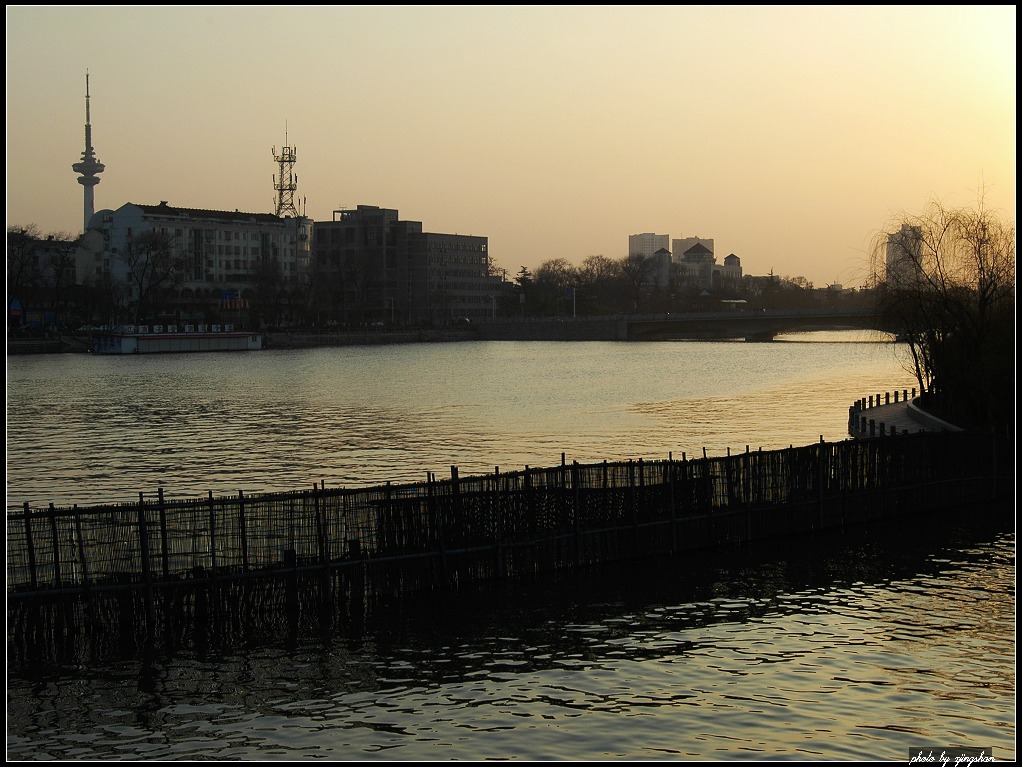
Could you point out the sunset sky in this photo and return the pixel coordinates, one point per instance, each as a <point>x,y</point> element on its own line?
<point>788,135</point>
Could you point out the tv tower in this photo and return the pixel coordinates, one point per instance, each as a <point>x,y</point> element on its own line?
<point>89,167</point>
<point>286,181</point>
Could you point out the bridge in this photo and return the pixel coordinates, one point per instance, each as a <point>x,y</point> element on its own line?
<point>746,323</point>
<point>750,324</point>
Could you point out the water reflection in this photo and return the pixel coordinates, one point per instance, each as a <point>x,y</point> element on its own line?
<point>846,649</point>
<point>84,429</point>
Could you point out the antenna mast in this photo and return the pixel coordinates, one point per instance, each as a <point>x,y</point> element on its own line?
<point>285,182</point>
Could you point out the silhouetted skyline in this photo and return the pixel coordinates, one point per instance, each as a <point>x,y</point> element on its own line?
<point>789,135</point>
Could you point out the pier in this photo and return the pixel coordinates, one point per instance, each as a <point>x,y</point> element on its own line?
<point>890,414</point>
<point>321,557</point>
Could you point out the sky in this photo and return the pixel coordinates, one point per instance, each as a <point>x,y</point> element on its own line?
<point>791,136</point>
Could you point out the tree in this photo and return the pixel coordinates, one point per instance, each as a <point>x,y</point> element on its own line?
<point>62,250</point>
<point>554,282</point>
<point>636,269</point>
<point>946,279</point>
<point>152,269</point>
<point>270,291</point>
<point>523,286</point>
<point>24,277</point>
<point>599,278</point>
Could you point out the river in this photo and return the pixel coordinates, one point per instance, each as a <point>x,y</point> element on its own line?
<point>857,648</point>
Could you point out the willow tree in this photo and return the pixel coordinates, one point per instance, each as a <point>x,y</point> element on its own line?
<point>946,280</point>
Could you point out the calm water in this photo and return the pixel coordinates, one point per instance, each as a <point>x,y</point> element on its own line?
<point>849,649</point>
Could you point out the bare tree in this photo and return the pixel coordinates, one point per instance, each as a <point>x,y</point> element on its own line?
<point>62,251</point>
<point>636,268</point>
<point>553,283</point>
<point>599,278</point>
<point>946,279</point>
<point>24,276</point>
<point>152,269</point>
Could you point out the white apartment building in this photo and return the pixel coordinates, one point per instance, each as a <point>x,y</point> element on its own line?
<point>647,244</point>
<point>214,250</point>
<point>904,252</point>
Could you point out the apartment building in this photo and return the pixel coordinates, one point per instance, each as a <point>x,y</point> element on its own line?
<point>370,266</point>
<point>214,257</point>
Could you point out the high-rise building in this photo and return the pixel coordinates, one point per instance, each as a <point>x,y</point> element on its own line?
<point>647,243</point>
<point>904,252</point>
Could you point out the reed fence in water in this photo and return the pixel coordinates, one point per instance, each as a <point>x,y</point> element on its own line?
<point>320,555</point>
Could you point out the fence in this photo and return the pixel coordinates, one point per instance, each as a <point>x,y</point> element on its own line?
<point>92,580</point>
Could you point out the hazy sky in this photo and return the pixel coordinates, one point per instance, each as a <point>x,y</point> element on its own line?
<point>789,135</point>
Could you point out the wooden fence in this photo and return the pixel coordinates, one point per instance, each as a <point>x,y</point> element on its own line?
<point>143,563</point>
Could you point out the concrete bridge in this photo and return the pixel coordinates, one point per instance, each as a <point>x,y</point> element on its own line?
<point>750,324</point>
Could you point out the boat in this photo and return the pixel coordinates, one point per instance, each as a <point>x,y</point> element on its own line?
<point>146,339</point>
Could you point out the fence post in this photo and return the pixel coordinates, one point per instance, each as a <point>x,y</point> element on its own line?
<point>163,534</point>
<point>577,503</point>
<point>90,610</point>
<point>243,531</point>
<point>820,479</point>
<point>498,522</point>
<point>438,521</point>
<point>57,580</point>
<point>669,479</point>
<point>81,547</point>
<point>325,585</point>
<point>147,574</point>
<point>456,507</point>
<point>633,505</point>
<point>212,537</point>
<point>29,545</point>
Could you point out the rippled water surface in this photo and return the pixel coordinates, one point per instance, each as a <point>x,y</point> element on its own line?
<point>95,429</point>
<point>857,647</point>
<point>855,650</point>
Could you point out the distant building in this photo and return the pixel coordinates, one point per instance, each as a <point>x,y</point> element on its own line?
<point>369,265</point>
<point>731,272</point>
<point>904,253</point>
<point>648,244</point>
<point>697,266</point>
<point>682,244</point>
<point>221,259</point>
<point>662,268</point>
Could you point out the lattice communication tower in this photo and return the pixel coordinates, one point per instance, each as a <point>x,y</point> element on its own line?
<point>285,182</point>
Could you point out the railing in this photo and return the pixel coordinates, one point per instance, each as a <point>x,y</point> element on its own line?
<point>863,426</point>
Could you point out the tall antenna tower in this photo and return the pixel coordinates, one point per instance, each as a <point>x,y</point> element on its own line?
<point>89,167</point>
<point>285,182</point>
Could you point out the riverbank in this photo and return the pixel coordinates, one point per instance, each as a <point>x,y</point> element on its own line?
<point>307,339</point>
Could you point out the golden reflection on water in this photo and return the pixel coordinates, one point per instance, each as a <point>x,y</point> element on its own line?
<point>96,429</point>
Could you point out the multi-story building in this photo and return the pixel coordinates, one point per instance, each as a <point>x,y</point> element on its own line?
<point>647,244</point>
<point>215,257</point>
<point>655,248</point>
<point>370,266</point>
<point>731,272</point>
<point>904,250</point>
<point>696,265</point>
<point>42,277</point>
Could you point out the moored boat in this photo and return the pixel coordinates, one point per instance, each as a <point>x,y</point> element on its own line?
<point>145,339</point>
